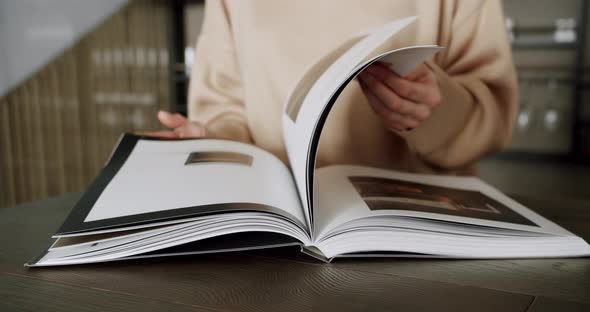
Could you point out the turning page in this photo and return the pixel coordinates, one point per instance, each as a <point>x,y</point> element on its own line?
<point>312,98</point>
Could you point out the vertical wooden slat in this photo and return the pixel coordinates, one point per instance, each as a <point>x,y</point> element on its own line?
<point>150,107</point>
<point>29,178</point>
<point>69,115</point>
<point>8,168</point>
<point>147,89</point>
<point>116,84</point>
<point>69,148</point>
<point>33,158</point>
<point>47,124</point>
<point>162,57</point>
<point>150,110</point>
<point>58,82</point>
<point>165,83</point>
<point>88,60</point>
<point>49,136</point>
<point>14,146</point>
<point>133,14</point>
<point>75,121</point>
<point>59,106</point>
<point>136,72</point>
<point>61,82</point>
<point>120,76</point>
<point>106,118</point>
<point>54,135</point>
<point>37,131</point>
<point>17,150</point>
<point>99,92</point>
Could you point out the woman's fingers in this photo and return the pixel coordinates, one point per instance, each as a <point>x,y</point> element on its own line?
<point>393,101</point>
<point>159,134</point>
<point>415,91</point>
<point>171,120</point>
<point>420,73</point>
<point>181,127</point>
<point>392,119</point>
<point>190,130</point>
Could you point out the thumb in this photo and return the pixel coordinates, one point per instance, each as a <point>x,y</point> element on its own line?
<point>171,120</point>
<point>419,72</point>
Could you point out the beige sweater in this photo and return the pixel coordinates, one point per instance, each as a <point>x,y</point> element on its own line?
<point>251,52</point>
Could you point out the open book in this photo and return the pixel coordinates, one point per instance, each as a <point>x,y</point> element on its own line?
<point>171,197</point>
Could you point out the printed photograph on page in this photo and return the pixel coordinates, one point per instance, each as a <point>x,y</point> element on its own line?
<point>392,194</point>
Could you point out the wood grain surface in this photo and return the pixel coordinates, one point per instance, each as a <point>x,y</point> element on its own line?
<point>20,293</point>
<point>276,280</point>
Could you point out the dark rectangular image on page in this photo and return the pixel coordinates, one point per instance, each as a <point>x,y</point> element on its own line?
<point>391,194</point>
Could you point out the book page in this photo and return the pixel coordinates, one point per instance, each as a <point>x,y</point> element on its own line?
<point>350,193</point>
<point>96,248</point>
<point>163,179</point>
<point>307,101</point>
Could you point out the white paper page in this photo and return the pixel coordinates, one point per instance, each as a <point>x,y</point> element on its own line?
<point>340,199</point>
<point>455,246</point>
<point>48,258</point>
<point>299,123</point>
<point>155,177</point>
<point>144,227</point>
<point>174,233</point>
<point>403,61</point>
<point>395,223</point>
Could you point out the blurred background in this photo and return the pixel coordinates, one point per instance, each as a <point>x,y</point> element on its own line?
<point>76,74</point>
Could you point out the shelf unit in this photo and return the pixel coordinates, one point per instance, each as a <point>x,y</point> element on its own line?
<point>580,132</point>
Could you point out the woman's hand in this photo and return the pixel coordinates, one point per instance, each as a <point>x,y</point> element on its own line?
<point>401,103</point>
<point>181,128</point>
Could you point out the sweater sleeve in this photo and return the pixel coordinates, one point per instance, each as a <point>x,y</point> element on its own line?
<point>479,91</point>
<point>215,90</point>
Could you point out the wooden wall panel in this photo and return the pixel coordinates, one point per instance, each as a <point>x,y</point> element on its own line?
<point>58,128</point>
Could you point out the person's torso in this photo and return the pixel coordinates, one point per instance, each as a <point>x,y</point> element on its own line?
<point>276,40</point>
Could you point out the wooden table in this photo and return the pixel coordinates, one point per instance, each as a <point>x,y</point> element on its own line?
<point>284,279</point>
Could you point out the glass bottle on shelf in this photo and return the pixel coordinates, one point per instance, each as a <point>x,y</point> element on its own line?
<point>552,114</point>
<point>565,30</point>
<point>525,115</point>
<point>510,28</point>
